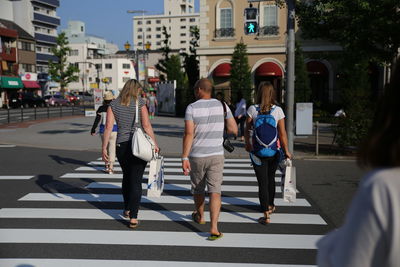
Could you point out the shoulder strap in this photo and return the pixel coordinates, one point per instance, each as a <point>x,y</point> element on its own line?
<point>225,113</point>
<point>137,111</point>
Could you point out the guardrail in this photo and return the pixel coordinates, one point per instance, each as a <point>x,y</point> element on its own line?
<point>29,114</point>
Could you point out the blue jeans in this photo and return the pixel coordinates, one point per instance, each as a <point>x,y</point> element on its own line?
<point>132,169</point>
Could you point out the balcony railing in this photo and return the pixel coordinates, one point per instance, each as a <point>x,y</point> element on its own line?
<point>224,32</point>
<point>54,3</point>
<point>269,30</point>
<point>46,19</point>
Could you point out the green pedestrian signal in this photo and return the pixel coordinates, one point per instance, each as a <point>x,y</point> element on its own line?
<point>251,28</point>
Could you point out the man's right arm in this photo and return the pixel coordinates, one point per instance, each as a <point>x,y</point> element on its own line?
<point>187,145</point>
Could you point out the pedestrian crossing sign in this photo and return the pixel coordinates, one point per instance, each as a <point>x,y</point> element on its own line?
<point>251,28</point>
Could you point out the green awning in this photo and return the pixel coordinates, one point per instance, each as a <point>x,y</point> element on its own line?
<point>10,82</point>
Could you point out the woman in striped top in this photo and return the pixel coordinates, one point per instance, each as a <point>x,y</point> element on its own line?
<point>123,111</point>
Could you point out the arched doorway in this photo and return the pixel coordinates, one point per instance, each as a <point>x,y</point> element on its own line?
<point>319,82</point>
<point>272,72</point>
<point>221,78</point>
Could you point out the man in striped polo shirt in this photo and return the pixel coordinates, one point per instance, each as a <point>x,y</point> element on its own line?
<point>203,153</point>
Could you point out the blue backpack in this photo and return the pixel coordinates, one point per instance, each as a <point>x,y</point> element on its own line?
<point>265,134</point>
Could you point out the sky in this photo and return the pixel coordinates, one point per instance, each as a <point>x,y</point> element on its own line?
<point>107,18</point>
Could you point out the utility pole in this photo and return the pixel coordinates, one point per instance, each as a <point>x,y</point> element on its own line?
<point>290,75</point>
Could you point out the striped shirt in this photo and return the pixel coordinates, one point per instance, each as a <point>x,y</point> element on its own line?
<point>125,118</point>
<point>208,118</point>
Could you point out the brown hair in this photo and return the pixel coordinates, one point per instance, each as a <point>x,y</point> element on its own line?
<point>205,85</point>
<point>381,147</point>
<point>265,96</point>
<point>132,89</point>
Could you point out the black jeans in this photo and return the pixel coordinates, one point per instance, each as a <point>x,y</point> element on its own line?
<point>132,169</point>
<point>265,174</point>
<point>241,122</point>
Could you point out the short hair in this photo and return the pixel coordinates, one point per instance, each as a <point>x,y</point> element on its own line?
<point>205,85</point>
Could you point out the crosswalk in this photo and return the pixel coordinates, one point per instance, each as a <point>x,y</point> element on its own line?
<point>81,224</point>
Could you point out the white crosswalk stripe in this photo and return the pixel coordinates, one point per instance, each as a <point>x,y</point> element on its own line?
<point>16,177</point>
<point>65,216</point>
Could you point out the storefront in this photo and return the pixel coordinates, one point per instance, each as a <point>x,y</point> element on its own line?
<point>8,85</point>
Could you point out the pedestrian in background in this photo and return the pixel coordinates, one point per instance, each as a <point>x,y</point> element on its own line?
<point>101,116</point>
<point>370,235</point>
<point>266,164</point>
<point>123,111</point>
<point>240,114</point>
<point>152,104</point>
<point>203,154</point>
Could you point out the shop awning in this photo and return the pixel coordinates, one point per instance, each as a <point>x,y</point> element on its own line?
<point>31,84</point>
<point>317,68</point>
<point>10,82</point>
<point>269,69</point>
<point>223,70</point>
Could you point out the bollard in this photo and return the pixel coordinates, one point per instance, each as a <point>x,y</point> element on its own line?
<point>34,110</point>
<point>22,113</point>
<point>8,114</point>
<point>316,138</point>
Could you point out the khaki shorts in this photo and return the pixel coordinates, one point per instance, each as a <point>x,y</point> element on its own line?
<point>207,170</point>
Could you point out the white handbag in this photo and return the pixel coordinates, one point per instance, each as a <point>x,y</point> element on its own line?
<point>155,182</point>
<point>143,146</point>
<point>289,182</point>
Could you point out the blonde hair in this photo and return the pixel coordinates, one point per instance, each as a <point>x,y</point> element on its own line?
<point>132,89</point>
<point>265,96</point>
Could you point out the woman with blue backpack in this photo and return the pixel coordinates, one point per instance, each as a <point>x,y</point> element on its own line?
<point>265,130</point>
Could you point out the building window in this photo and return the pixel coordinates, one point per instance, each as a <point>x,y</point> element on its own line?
<point>270,21</point>
<point>183,34</point>
<point>28,67</point>
<point>90,79</point>
<point>158,43</point>
<point>148,29</point>
<point>158,21</point>
<point>81,28</point>
<point>158,36</point>
<point>148,36</point>
<point>98,66</point>
<point>74,52</point>
<point>125,79</point>
<point>108,66</point>
<point>192,20</point>
<point>148,22</point>
<point>226,18</point>
<point>140,44</point>
<point>26,46</point>
<point>183,19</point>
<point>139,36</point>
<point>139,22</point>
<point>183,27</point>
<point>183,42</point>
<point>139,29</point>
<point>126,66</point>
<point>158,29</point>
<point>38,49</point>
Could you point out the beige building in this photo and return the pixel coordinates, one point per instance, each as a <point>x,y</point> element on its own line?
<point>222,27</point>
<point>178,18</point>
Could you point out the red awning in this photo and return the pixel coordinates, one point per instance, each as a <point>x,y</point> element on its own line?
<point>223,70</point>
<point>31,84</point>
<point>269,69</point>
<point>153,80</point>
<point>317,68</point>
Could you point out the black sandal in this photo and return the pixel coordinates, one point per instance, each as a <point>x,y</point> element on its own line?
<point>264,220</point>
<point>196,218</point>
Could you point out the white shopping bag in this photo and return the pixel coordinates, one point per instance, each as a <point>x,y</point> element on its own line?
<point>155,183</point>
<point>289,182</point>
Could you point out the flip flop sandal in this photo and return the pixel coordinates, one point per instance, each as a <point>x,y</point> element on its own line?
<point>264,220</point>
<point>271,209</point>
<point>214,237</point>
<point>196,219</point>
<point>126,214</point>
<point>133,225</point>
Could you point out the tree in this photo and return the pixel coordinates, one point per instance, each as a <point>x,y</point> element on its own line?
<point>191,62</point>
<point>302,83</point>
<point>61,71</point>
<point>240,72</point>
<point>364,28</point>
<point>162,63</point>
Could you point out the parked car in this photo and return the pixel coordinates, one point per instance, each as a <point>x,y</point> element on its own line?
<point>85,97</point>
<point>56,100</point>
<point>26,100</point>
<point>72,98</point>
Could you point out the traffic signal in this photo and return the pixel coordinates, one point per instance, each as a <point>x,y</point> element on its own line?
<point>250,20</point>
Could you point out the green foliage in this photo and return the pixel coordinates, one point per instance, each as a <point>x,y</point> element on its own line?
<point>61,71</point>
<point>240,73</point>
<point>302,83</point>
<point>162,63</point>
<point>365,28</point>
<point>191,62</point>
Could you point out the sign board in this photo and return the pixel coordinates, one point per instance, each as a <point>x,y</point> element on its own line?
<point>98,98</point>
<point>304,118</point>
<point>90,113</point>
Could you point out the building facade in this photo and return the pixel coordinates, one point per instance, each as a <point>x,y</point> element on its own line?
<point>178,18</point>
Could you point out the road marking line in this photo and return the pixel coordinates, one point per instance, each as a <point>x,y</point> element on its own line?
<point>15,177</point>
<point>178,164</point>
<point>124,263</point>
<point>166,177</point>
<point>244,160</point>
<point>300,202</point>
<point>159,238</point>
<point>155,215</point>
<point>7,146</point>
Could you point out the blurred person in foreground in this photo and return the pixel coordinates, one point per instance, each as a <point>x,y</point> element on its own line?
<point>370,235</point>
<point>123,111</point>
